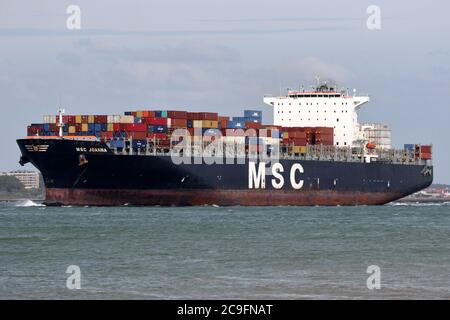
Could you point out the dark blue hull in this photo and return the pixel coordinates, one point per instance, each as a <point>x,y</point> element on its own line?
<point>89,173</point>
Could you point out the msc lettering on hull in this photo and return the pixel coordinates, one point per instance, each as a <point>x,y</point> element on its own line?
<point>257,175</point>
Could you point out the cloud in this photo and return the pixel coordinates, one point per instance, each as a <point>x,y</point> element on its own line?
<point>307,69</point>
<point>192,52</point>
<point>46,32</point>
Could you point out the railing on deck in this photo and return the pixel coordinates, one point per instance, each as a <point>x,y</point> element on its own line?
<point>311,152</point>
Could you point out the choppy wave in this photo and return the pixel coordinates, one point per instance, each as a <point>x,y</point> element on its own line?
<point>28,203</point>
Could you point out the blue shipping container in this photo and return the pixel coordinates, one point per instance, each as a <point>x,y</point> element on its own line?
<point>276,134</point>
<point>98,127</point>
<point>119,134</point>
<point>139,143</point>
<point>236,124</point>
<point>253,113</point>
<point>409,147</point>
<point>161,114</point>
<point>210,132</point>
<point>117,144</point>
<point>253,119</point>
<point>157,129</point>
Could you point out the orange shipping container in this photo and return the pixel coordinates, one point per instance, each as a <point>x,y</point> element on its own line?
<point>425,156</point>
<point>178,123</point>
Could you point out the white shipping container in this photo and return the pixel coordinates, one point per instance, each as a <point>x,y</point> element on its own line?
<point>126,119</point>
<point>114,119</point>
<point>197,123</point>
<point>49,119</point>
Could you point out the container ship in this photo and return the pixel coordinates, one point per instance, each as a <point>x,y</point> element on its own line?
<point>315,153</point>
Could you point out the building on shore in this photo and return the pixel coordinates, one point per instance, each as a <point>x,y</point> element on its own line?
<point>29,179</point>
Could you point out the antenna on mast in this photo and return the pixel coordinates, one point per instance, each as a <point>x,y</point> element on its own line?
<point>60,123</point>
<point>318,80</point>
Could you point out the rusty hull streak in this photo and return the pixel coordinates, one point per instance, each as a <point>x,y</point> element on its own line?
<point>115,197</point>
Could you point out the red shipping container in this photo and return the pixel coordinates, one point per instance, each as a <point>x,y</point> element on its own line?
<point>324,130</point>
<point>66,119</point>
<point>177,114</point>
<point>148,114</point>
<point>116,127</point>
<point>192,116</point>
<point>34,129</point>
<point>156,121</point>
<point>279,128</point>
<point>223,121</point>
<point>208,116</point>
<point>157,136</point>
<point>106,135</point>
<point>178,123</point>
<point>252,125</point>
<point>100,119</point>
<point>84,119</point>
<point>297,135</point>
<point>136,127</point>
<point>324,137</point>
<point>78,127</point>
<point>298,141</point>
<point>425,156</point>
<point>425,149</point>
<point>293,129</point>
<point>137,135</point>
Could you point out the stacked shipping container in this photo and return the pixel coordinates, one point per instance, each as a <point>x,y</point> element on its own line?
<point>157,125</point>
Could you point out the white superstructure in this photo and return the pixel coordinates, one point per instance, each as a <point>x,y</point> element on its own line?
<point>377,133</point>
<point>324,106</point>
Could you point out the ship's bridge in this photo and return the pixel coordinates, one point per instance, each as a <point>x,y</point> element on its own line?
<point>324,106</point>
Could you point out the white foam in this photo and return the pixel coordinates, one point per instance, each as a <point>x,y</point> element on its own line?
<point>420,204</point>
<point>29,203</point>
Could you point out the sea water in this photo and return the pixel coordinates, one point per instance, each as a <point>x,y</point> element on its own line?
<point>213,252</point>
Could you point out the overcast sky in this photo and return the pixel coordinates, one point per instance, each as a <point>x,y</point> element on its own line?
<point>224,56</point>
